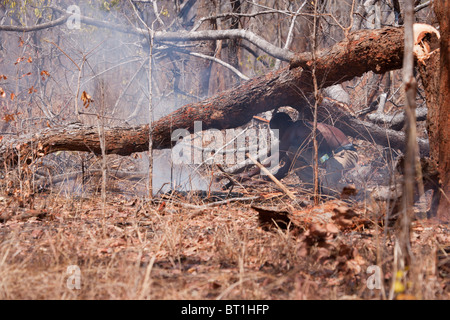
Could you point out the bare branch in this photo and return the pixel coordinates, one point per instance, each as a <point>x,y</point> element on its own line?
<point>178,36</point>
<point>290,35</point>
<point>230,15</point>
<point>422,6</point>
<point>38,27</point>
<point>396,121</point>
<point>217,60</point>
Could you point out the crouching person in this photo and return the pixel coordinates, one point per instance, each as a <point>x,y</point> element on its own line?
<point>336,154</point>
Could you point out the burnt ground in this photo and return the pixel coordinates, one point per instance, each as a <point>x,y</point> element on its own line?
<point>192,248</point>
<point>202,245</point>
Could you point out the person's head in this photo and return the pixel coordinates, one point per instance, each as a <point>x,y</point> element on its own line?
<point>280,121</point>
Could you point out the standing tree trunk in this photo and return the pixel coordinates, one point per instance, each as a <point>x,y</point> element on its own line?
<point>442,10</point>
<point>433,66</point>
<point>202,67</point>
<point>233,44</point>
<point>403,239</point>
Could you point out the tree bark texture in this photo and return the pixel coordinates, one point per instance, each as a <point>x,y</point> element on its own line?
<point>74,137</point>
<point>434,69</point>
<point>442,10</point>
<point>368,50</point>
<point>378,50</point>
<point>125,141</point>
<point>365,130</point>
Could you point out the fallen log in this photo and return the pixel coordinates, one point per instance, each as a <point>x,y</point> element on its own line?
<point>128,140</point>
<point>73,137</point>
<point>378,50</point>
<point>396,121</point>
<point>352,126</point>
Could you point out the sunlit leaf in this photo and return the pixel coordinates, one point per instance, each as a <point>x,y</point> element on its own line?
<point>165,13</point>
<point>398,287</point>
<point>8,117</point>
<point>43,74</point>
<point>87,99</point>
<point>37,13</point>
<point>20,59</point>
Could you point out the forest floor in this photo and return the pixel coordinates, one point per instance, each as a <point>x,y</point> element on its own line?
<point>176,249</point>
<point>196,246</point>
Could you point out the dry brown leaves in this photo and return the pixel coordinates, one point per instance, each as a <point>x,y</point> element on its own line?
<point>321,233</point>
<point>231,251</point>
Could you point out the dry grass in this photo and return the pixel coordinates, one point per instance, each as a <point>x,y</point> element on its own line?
<point>164,251</point>
<point>167,250</point>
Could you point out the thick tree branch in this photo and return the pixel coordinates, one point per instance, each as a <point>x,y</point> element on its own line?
<point>365,130</point>
<point>178,36</point>
<point>74,137</point>
<point>396,121</point>
<point>369,50</point>
<point>127,140</point>
<point>42,26</point>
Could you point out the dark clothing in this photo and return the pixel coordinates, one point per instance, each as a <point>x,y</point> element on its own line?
<point>299,137</point>
<point>336,154</point>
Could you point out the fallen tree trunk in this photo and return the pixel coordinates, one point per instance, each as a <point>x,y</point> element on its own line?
<point>378,50</point>
<point>396,121</point>
<point>352,126</point>
<point>366,50</point>
<point>74,137</point>
<point>125,141</point>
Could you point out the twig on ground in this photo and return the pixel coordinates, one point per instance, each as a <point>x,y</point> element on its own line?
<point>209,205</point>
<point>272,177</point>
